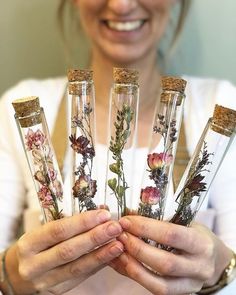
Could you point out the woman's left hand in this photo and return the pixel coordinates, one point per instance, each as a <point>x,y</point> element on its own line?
<point>200,257</point>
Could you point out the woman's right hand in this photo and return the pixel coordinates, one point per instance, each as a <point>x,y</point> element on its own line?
<point>61,254</point>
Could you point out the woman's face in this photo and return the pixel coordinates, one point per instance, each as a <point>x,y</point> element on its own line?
<point>124,31</point>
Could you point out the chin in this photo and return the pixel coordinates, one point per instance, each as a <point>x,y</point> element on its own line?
<point>124,59</point>
<point>125,56</point>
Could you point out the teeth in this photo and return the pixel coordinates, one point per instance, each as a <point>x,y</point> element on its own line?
<point>124,26</point>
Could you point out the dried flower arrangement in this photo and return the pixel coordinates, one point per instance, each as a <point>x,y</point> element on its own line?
<point>82,96</point>
<point>160,164</point>
<point>84,187</point>
<point>122,117</point>
<point>204,164</point>
<point>35,137</point>
<point>50,188</point>
<point>193,187</point>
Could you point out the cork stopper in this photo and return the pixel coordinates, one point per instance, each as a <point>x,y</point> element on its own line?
<point>173,84</point>
<point>27,110</point>
<point>224,120</point>
<point>78,75</point>
<point>125,76</point>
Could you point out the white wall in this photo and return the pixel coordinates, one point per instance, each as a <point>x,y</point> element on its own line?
<point>31,46</point>
<point>208,45</point>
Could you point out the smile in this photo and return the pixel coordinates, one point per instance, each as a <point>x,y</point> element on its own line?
<point>124,26</point>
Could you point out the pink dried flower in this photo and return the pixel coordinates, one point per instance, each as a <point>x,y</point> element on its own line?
<point>45,197</point>
<point>39,139</point>
<point>158,160</point>
<point>34,140</point>
<point>150,195</point>
<point>58,188</point>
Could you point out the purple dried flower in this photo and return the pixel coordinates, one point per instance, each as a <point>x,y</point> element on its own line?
<point>80,145</point>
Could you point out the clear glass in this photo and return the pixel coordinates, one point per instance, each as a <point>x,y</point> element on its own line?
<point>160,159</point>
<point>200,173</point>
<point>43,166</point>
<point>122,135</point>
<point>82,140</point>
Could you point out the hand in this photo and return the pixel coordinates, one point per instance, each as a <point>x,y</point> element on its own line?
<point>200,256</point>
<point>61,254</point>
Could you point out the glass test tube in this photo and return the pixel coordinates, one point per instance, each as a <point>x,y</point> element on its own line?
<point>82,138</point>
<point>122,135</point>
<point>160,159</point>
<point>33,129</point>
<point>204,164</point>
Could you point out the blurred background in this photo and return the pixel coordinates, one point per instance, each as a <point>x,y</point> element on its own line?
<point>31,44</point>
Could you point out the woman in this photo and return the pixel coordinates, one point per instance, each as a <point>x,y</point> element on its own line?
<point>71,254</point>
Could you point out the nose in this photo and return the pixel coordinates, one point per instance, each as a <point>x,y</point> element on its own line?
<point>122,6</point>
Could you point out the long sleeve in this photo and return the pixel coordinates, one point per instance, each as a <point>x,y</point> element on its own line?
<point>12,190</point>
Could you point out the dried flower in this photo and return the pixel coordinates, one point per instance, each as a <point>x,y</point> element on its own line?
<point>158,160</point>
<point>40,177</point>
<point>81,145</point>
<point>159,165</point>
<point>45,197</point>
<point>34,140</point>
<point>52,174</point>
<point>42,155</point>
<point>50,188</point>
<point>193,187</point>
<point>150,195</point>
<point>58,188</point>
<point>84,187</point>
<point>196,184</point>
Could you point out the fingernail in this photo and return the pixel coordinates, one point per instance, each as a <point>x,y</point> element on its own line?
<point>116,250</point>
<point>103,216</point>
<point>113,229</point>
<point>123,237</point>
<point>125,222</point>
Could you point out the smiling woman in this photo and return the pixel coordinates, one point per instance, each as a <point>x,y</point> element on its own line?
<point>124,25</point>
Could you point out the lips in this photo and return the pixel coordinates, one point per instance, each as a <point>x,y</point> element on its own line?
<point>124,26</point>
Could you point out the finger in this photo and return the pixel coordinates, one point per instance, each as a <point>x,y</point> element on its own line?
<point>157,284</point>
<point>59,230</point>
<point>117,265</point>
<point>176,236</point>
<point>66,277</point>
<point>71,249</point>
<point>161,261</point>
